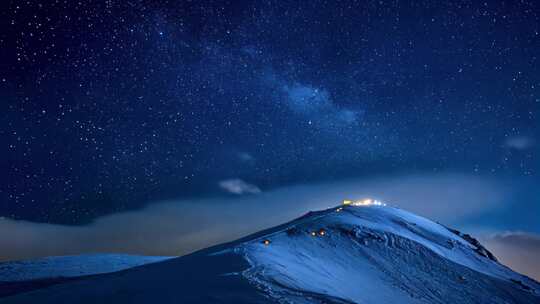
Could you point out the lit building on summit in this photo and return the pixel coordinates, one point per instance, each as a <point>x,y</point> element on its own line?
<point>363,202</point>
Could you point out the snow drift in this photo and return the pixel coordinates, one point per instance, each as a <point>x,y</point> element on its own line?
<point>347,254</point>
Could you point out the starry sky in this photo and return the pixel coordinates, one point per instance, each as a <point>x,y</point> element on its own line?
<point>111,106</point>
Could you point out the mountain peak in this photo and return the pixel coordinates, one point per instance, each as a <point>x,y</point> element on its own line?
<point>385,250</point>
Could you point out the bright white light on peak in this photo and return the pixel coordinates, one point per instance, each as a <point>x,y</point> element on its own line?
<point>364,202</point>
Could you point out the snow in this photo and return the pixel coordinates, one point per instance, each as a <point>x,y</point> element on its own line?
<point>71,266</point>
<point>428,233</point>
<point>358,258</point>
<point>368,254</point>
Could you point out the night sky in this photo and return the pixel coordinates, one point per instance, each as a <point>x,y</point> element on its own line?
<point>113,106</point>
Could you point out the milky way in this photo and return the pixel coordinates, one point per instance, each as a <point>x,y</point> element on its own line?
<point>108,106</point>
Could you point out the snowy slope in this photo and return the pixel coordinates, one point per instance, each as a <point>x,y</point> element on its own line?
<point>71,266</point>
<point>376,254</point>
<point>352,254</point>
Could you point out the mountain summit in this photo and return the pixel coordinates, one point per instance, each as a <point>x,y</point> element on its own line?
<point>359,252</point>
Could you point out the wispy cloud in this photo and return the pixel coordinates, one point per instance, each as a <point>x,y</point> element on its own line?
<point>245,157</point>
<point>238,186</point>
<point>519,250</point>
<point>519,142</point>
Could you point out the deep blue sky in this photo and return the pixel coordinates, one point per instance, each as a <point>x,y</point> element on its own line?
<point>108,106</point>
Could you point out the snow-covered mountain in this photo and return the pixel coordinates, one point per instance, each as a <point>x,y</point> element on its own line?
<point>347,254</point>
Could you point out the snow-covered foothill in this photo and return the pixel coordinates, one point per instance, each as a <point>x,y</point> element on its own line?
<point>71,266</point>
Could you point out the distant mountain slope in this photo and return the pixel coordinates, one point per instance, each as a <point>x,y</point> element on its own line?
<point>350,254</point>
<point>71,266</point>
